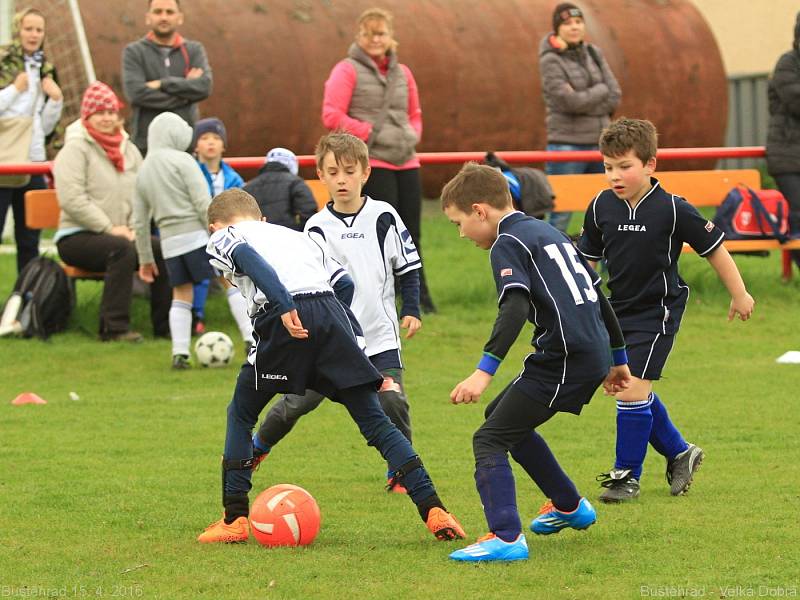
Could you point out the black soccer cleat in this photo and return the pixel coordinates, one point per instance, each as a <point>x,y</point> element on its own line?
<point>620,486</point>
<point>681,469</point>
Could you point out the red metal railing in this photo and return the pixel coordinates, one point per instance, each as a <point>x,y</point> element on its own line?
<point>451,158</point>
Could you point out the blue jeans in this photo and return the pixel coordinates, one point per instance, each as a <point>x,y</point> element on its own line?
<point>365,410</point>
<point>27,239</point>
<point>560,220</point>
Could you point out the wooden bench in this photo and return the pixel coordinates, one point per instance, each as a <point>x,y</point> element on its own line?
<point>701,188</point>
<point>42,212</point>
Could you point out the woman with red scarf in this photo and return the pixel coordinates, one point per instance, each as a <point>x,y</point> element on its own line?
<point>95,175</point>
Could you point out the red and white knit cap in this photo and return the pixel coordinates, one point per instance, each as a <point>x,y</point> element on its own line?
<point>98,96</point>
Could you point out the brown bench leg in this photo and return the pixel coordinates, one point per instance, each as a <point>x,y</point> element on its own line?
<point>786,258</point>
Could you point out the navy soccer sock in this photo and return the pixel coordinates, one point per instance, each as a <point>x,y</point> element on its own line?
<point>495,484</point>
<point>534,455</point>
<point>665,437</point>
<point>199,298</point>
<point>634,424</point>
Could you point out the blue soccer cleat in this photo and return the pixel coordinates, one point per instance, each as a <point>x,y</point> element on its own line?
<point>491,547</point>
<point>551,520</point>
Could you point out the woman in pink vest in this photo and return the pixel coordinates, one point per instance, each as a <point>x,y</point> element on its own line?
<point>374,97</point>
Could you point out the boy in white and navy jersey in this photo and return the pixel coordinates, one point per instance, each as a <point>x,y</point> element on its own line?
<point>369,238</point>
<point>540,277</point>
<point>639,229</point>
<point>305,337</point>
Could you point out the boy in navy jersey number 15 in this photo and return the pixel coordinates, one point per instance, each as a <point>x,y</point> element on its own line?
<point>305,338</point>
<point>540,277</point>
<point>640,229</point>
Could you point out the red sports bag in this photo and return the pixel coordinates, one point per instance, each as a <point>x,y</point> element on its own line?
<point>746,214</point>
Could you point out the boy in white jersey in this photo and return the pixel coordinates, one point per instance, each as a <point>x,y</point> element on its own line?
<point>369,238</point>
<point>289,280</point>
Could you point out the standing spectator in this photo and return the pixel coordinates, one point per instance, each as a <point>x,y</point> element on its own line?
<point>95,177</point>
<point>580,93</point>
<point>163,72</point>
<point>783,136</point>
<point>374,97</point>
<point>28,88</point>
<point>283,197</point>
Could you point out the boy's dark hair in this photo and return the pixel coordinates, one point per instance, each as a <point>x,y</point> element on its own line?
<point>344,147</point>
<point>626,134</point>
<point>231,203</point>
<point>476,184</point>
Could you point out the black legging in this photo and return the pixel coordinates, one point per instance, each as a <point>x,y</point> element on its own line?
<point>403,190</point>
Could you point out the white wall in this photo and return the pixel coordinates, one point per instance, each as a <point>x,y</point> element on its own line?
<point>751,34</point>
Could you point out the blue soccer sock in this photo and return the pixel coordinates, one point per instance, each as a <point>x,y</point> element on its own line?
<point>199,299</point>
<point>665,437</point>
<point>495,484</point>
<point>634,423</point>
<point>534,455</point>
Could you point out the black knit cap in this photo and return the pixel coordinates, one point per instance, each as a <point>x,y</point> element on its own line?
<point>564,11</point>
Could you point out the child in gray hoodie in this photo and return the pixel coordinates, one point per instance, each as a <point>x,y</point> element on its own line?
<point>172,192</point>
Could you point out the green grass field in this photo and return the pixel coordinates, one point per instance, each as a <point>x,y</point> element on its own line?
<point>104,496</point>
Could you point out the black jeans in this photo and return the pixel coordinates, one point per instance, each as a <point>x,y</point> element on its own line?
<point>27,239</point>
<point>116,256</point>
<point>789,185</point>
<point>403,190</point>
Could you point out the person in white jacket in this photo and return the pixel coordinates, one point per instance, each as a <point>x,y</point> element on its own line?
<point>28,88</point>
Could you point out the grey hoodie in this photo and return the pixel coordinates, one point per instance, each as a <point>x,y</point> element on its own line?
<point>170,187</point>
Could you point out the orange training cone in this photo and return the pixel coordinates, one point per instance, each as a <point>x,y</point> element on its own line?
<point>28,398</point>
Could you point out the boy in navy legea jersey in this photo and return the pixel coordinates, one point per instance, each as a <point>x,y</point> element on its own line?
<point>578,344</point>
<point>370,239</point>
<point>305,338</point>
<point>639,229</point>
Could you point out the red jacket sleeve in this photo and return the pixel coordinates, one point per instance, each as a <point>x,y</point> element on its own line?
<point>414,108</point>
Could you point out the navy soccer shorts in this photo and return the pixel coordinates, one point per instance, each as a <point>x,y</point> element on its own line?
<point>329,360</point>
<point>648,353</point>
<point>192,267</point>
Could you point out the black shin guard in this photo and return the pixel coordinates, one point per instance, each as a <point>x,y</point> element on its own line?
<point>427,504</point>
<point>236,505</point>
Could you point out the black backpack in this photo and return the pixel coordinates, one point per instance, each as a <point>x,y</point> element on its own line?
<point>535,196</point>
<point>46,298</point>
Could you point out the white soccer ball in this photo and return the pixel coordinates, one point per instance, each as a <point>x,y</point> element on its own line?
<point>213,349</point>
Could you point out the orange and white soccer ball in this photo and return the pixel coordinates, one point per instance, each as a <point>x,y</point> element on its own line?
<point>285,515</point>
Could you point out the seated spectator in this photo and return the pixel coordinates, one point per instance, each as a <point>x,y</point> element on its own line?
<point>210,142</point>
<point>284,198</point>
<point>95,174</point>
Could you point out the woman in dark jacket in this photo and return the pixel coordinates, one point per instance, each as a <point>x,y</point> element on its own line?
<point>783,136</point>
<point>580,93</point>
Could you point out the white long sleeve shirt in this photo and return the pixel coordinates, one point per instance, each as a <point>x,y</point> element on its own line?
<point>14,103</point>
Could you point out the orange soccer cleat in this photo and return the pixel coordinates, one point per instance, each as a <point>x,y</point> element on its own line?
<point>444,525</point>
<point>222,532</point>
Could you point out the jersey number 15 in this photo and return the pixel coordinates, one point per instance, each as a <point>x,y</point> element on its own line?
<point>557,252</point>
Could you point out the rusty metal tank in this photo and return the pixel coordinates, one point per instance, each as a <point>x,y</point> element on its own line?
<point>475,62</point>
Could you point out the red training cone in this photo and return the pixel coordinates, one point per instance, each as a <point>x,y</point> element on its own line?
<point>28,398</point>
